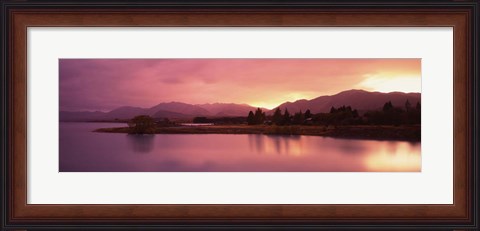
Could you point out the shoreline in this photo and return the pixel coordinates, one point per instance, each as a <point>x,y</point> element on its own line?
<point>398,133</point>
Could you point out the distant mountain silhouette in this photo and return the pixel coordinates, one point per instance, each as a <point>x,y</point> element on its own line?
<point>175,110</point>
<point>169,114</point>
<point>124,113</point>
<point>177,107</point>
<point>358,99</point>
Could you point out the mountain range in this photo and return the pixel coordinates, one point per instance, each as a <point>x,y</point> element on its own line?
<point>357,99</point>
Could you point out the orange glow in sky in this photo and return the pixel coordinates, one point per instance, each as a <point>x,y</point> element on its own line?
<point>105,84</point>
<point>392,82</point>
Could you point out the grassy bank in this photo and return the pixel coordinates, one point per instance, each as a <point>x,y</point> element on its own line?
<point>410,133</point>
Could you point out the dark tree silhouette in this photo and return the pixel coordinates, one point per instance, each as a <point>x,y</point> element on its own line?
<point>286,117</point>
<point>277,117</point>
<point>298,118</point>
<point>251,118</point>
<point>388,106</point>
<point>142,124</point>
<point>308,114</point>
<point>333,110</point>
<point>408,106</point>
<point>259,116</point>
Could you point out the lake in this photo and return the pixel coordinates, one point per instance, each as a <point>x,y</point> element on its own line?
<point>82,150</point>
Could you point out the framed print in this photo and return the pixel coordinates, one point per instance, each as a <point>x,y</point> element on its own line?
<point>248,115</point>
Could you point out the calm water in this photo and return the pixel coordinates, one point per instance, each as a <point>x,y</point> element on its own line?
<point>82,150</point>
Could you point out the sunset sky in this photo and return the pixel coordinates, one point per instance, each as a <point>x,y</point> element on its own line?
<point>105,84</point>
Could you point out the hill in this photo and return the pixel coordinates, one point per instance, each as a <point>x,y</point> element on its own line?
<point>358,99</point>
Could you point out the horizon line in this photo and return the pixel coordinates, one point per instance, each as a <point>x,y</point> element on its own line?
<point>246,104</point>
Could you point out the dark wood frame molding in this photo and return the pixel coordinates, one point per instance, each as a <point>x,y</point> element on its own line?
<point>16,16</point>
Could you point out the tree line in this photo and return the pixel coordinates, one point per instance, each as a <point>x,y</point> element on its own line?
<point>344,115</point>
<point>389,114</point>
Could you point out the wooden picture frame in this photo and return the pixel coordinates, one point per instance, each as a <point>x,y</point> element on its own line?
<point>463,16</point>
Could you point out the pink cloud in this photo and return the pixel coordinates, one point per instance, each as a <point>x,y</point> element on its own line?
<point>103,84</point>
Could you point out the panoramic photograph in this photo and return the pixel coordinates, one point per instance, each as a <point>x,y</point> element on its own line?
<point>240,115</point>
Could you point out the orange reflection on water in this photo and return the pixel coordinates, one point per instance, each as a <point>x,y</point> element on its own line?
<point>394,158</point>
<point>82,150</point>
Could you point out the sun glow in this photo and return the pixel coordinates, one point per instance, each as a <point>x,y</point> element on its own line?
<point>266,105</point>
<point>386,83</point>
<point>290,97</point>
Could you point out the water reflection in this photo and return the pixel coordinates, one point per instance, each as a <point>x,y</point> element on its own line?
<point>399,161</point>
<point>275,144</point>
<point>82,150</point>
<point>141,143</point>
<point>256,143</point>
<point>351,146</point>
<point>391,147</point>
